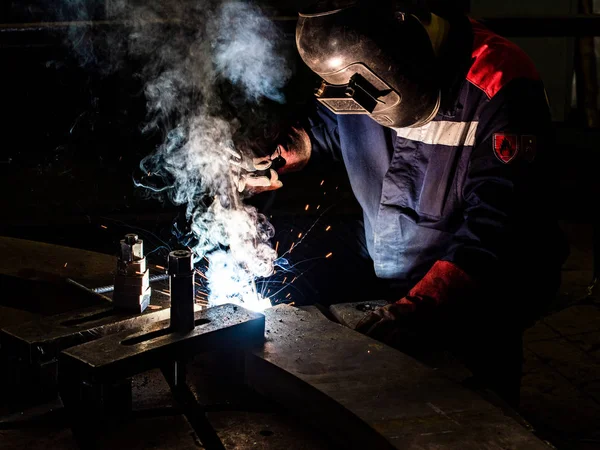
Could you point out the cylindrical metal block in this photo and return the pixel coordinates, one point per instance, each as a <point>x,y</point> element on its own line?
<point>181,281</point>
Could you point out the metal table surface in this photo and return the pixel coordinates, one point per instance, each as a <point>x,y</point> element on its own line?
<point>315,384</point>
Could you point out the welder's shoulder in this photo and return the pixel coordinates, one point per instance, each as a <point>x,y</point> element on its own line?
<point>496,62</point>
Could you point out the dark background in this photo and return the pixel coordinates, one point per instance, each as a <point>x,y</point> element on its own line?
<point>71,141</point>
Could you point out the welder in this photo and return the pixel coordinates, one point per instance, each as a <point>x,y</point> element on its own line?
<point>445,133</point>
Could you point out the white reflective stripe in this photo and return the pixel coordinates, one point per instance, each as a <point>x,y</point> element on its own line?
<point>441,132</point>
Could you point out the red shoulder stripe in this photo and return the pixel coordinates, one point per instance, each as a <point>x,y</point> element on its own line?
<point>497,61</point>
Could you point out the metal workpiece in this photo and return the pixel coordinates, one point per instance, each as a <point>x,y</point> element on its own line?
<point>31,349</point>
<point>132,280</point>
<point>181,283</point>
<point>125,354</point>
<point>363,394</point>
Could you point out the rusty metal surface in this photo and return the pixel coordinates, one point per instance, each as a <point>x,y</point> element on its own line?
<point>14,316</point>
<point>29,349</point>
<point>34,260</point>
<point>44,338</point>
<point>367,395</point>
<point>349,314</point>
<point>167,432</point>
<point>39,438</point>
<point>150,391</point>
<point>243,430</point>
<point>125,354</point>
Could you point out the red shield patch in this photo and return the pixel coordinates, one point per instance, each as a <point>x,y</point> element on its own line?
<point>529,147</point>
<point>506,146</point>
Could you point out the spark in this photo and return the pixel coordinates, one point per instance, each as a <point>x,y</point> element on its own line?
<point>160,267</point>
<point>322,182</point>
<point>328,228</point>
<point>201,274</point>
<point>167,246</point>
<point>103,226</point>
<point>285,278</point>
<point>299,235</point>
<point>276,246</point>
<point>288,295</point>
<point>318,206</point>
<point>290,250</point>
<point>328,255</point>
<point>168,294</point>
<point>309,230</point>
<point>306,207</point>
<point>293,280</point>
<point>66,264</point>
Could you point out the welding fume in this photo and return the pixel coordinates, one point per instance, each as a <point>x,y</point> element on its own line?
<point>201,64</point>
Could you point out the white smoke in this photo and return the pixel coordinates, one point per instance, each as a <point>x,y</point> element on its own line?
<point>248,56</point>
<point>204,43</point>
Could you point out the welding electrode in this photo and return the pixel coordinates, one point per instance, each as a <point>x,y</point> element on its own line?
<point>181,281</point>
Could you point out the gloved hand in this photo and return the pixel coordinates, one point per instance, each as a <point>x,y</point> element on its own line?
<point>389,322</point>
<point>444,283</point>
<point>291,155</point>
<point>260,177</point>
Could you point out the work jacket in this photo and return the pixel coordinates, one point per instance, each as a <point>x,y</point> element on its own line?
<point>474,186</point>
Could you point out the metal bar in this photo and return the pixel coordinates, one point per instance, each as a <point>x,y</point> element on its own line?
<point>125,354</point>
<point>91,291</point>
<point>105,289</point>
<point>31,349</point>
<point>181,287</point>
<point>174,374</point>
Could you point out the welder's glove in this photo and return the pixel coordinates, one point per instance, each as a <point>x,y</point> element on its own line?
<point>259,177</point>
<point>444,283</point>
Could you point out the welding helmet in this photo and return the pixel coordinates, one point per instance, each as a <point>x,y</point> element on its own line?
<point>373,59</point>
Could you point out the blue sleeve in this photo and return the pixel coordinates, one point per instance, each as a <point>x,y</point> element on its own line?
<point>323,132</point>
<point>508,215</point>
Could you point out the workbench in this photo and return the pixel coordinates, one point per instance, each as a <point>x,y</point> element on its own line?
<point>313,384</point>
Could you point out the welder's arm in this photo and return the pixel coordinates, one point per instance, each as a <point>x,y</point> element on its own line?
<point>495,194</point>
<point>314,140</point>
<point>309,142</point>
<point>322,129</point>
